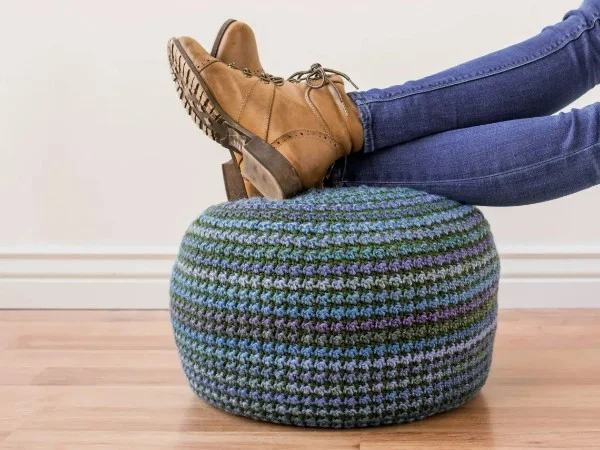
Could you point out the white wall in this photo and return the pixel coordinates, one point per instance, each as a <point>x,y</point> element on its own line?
<point>101,170</point>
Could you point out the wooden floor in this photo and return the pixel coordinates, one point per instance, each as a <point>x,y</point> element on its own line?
<point>110,380</point>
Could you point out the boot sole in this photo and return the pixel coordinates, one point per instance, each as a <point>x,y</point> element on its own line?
<point>269,171</point>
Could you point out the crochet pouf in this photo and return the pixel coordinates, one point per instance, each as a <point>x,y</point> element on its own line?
<point>341,308</point>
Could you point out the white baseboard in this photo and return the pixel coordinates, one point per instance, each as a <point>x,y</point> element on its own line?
<point>138,278</point>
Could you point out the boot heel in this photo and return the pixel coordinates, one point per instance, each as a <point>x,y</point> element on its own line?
<point>269,171</point>
<point>234,183</point>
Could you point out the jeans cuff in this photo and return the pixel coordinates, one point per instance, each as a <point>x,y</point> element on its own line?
<point>366,118</point>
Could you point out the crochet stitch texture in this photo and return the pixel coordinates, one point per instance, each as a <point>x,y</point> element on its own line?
<point>339,308</point>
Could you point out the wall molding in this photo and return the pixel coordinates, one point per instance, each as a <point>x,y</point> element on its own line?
<point>138,277</point>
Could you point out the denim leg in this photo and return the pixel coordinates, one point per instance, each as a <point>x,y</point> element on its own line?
<point>511,163</point>
<point>535,78</point>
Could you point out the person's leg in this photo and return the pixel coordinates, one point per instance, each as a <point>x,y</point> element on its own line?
<point>535,78</point>
<point>510,163</point>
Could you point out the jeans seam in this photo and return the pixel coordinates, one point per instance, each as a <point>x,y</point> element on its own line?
<point>563,42</point>
<point>484,177</point>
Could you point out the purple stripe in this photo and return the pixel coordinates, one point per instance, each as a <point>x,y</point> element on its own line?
<point>293,362</point>
<point>220,321</point>
<point>405,264</point>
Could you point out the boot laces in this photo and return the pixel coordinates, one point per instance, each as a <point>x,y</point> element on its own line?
<point>263,76</point>
<point>319,74</point>
<point>316,77</point>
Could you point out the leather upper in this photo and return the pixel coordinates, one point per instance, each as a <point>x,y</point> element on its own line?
<point>238,45</point>
<point>311,127</point>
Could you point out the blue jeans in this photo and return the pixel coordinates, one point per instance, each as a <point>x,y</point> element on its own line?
<point>483,132</point>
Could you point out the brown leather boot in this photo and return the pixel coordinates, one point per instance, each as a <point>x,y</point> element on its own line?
<point>289,131</point>
<point>235,43</point>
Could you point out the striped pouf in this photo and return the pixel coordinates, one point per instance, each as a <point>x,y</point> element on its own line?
<point>340,308</point>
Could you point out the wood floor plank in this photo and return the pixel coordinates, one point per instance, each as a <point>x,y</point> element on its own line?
<point>230,440</point>
<point>36,358</point>
<point>81,315</point>
<point>16,405</point>
<point>94,376</point>
<point>111,379</point>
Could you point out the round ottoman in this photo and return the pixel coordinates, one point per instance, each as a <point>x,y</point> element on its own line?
<point>341,308</point>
